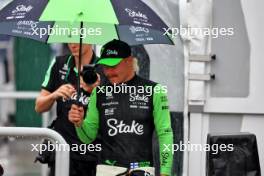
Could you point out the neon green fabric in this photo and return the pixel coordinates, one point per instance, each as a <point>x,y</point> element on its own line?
<point>47,76</point>
<point>80,10</point>
<point>92,33</point>
<point>109,61</point>
<point>88,131</point>
<point>162,123</point>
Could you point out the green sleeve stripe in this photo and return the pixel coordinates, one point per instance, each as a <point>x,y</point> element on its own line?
<point>47,76</point>
<point>162,123</point>
<point>83,136</point>
<point>88,131</point>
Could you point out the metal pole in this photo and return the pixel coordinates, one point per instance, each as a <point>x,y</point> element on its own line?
<point>19,95</point>
<point>62,156</point>
<point>45,119</point>
<point>45,123</point>
<point>45,116</point>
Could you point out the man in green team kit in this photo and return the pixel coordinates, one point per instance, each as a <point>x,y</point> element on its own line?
<point>127,118</point>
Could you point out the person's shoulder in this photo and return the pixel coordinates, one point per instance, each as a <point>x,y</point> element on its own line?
<point>62,59</point>
<point>146,81</point>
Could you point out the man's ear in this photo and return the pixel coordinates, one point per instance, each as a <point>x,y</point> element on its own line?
<point>130,59</point>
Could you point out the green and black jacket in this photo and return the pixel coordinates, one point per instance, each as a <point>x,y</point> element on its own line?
<point>126,122</point>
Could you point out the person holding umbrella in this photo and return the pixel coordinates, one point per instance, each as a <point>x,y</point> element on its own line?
<point>60,86</point>
<point>126,120</point>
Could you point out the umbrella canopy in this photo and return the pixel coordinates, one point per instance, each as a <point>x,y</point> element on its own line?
<point>134,15</point>
<point>123,12</point>
<point>92,33</point>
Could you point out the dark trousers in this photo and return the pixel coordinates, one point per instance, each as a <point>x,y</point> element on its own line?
<point>78,168</point>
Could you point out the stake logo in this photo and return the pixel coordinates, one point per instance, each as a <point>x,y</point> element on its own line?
<point>84,99</point>
<point>120,127</point>
<point>111,52</point>
<point>19,12</point>
<point>137,97</point>
<point>138,14</point>
<point>134,29</point>
<point>22,8</point>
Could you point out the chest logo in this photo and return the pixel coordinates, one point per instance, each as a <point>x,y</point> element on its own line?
<point>119,127</point>
<point>137,97</point>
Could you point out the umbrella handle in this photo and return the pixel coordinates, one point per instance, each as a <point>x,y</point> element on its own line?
<point>79,63</point>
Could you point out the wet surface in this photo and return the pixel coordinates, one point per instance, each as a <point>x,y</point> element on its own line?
<point>17,159</point>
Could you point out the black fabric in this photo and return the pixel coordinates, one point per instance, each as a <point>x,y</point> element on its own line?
<point>78,168</point>
<point>130,147</point>
<point>136,35</point>
<point>115,49</point>
<point>139,173</point>
<point>62,73</point>
<point>137,13</point>
<point>242,161</point>
<point>1,170</point>
<point>20,10</point>
<point>12,28</point>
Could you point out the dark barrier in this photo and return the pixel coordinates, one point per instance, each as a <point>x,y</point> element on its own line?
<point>1,170</point>
<point>240,160</point>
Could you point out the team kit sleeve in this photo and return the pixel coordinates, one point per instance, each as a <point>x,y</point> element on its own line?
<point>163,128</point>
<point>50,77</point>
<point>87,132</point>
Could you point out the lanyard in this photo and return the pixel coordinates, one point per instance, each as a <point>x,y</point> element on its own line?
<point>69,69</point>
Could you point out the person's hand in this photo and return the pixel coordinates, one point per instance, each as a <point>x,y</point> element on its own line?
<point>89,88</point>
<point>65,91</point>
<point>76,115</point>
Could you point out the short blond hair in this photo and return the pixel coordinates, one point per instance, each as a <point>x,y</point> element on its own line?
<point>135,65</point>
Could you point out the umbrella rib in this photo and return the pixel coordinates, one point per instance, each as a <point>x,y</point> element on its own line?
<point>117,32</point>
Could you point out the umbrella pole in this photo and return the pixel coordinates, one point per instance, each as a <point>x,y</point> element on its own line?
<point>79,65</point>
